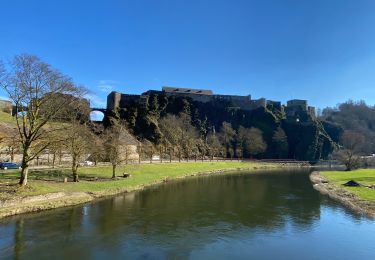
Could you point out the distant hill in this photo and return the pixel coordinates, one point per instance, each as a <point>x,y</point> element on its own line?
<point>352,116</point>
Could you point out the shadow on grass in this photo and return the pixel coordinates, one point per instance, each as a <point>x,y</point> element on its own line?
<point>50,175</point>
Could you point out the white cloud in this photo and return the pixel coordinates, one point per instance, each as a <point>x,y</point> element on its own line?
<point>96,101</point>
<point>107,81</point>
<point>107,85</point>
<point>106,88</point>
<point>98,98</point>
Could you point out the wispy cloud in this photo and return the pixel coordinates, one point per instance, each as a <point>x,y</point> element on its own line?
<point>107,86</point>
<point>99,98</point>
<point>96,101</point>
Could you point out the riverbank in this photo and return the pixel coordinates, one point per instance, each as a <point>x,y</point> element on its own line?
<point>47,190</point>
<point>359,199</point>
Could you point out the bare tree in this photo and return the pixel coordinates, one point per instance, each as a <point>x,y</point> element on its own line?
<point>227,135</point>
<point>349,154</point>
<point>117,142</point>
<point>201,147</point>
<point>78,139</point>
<point>214,147</point>
<point>32,86</point>
<point>171,132</point>
<point>180,133</point>
<point>149,150</point>
<point>241,139</point>
<point>280,144</point>
<point>252,140</point>
<point>112,146</point>
<point>97,149</point>
<point>55,149</point>
<point>9,140</point>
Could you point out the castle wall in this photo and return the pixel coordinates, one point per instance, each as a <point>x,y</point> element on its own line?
<point>274,104</point>
<point>118,100</point>
<point>312,112</point>
<point>126,99</point>
<point>298,103</point>
<point>195,97</point>
<point>257,103</point>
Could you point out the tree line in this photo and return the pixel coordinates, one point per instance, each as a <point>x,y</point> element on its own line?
<point>51,114</point>
<point>180,139</point>
<point>356,135</point>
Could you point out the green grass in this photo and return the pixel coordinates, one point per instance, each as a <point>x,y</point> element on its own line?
<point>98,179</point>
<point>363,176</point>
<point>7,118</point>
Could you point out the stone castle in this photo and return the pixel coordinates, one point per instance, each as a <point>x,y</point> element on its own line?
<point>294,110</point>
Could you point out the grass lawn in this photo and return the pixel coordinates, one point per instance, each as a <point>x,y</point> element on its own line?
<point>98,179</point>
<point>363,176</point>
<point>7,118</point>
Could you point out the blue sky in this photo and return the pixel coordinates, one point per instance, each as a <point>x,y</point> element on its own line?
<point>320,50</point>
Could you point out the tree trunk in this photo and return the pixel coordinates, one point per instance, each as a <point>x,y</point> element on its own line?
<point>60,157</point>
<point>126,155</point>
<point>12,154</point>
<point>25,168</point>
<point>53,160</point>
<point>19,239</point>
<point>139,154</point>
<point>75,169</point>
<point>24,174</point>
<point>75,173</point>
<point>114,171</point>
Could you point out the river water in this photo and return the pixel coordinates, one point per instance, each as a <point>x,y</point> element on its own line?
<point>262,215</point>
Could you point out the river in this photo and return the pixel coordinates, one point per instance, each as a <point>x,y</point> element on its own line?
<point>261,215</point>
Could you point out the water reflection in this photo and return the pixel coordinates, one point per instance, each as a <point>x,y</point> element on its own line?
<point>195,218</point>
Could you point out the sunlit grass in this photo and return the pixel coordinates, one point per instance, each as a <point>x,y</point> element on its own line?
<point>363,176</point>
<point>7,118</point>
<point>98,179</point>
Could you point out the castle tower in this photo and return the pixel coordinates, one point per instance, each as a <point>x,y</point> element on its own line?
<point>113,100</point>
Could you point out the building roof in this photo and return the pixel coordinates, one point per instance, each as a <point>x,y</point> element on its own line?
<point>187,91</point>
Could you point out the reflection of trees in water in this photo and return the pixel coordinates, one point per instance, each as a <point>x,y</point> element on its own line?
<point>211,206</point>
<point>261,200</point>
<point>53,233</point>
<point>18,239</point>
<point>197,210</point>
